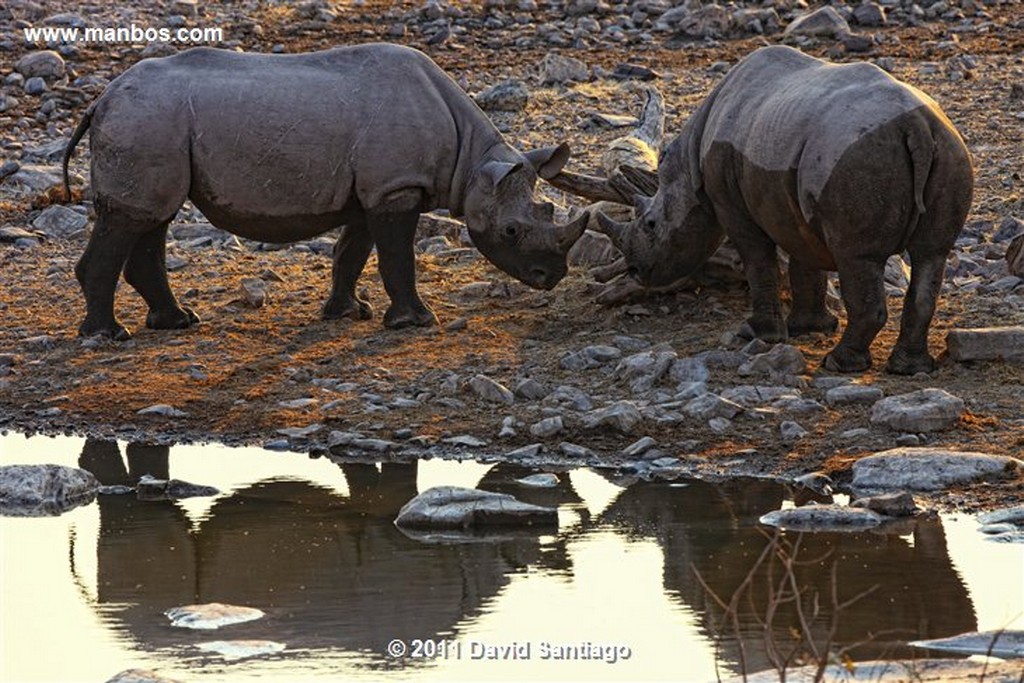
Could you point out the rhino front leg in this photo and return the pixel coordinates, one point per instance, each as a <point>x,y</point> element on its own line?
<point>350,254</point>
<point>97,272</point>
<point>146,271</point>
<point>864,295</point>
<point>809,312</point>
<point>761,266</point>
<point>393,233</point>
<point>910,355</point>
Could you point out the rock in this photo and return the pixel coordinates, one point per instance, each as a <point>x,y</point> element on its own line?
<point>822,518</point>
<point>141,676</point>
<point>508,95</point>
<point>1014,256</point>
<point>1012,515</point>
<point>869,14</point>
<point>530,389</point>
<point>575,398</point>
<point>986,343</point>
<point>706,21</point>
<point>151,488</point>
<point>748,395</point>
<point>211,615</point>
<point>466,440</point>
<point>45,64</point>
<point>11,234</point>
<point>1002,643</point>
<point>44,490</point>
<point>925,410</point>
<point>545,480</point>
<point>489,390</point>
<point>895,504</point>
<point>163,410</point>
<point>253,291</point>
<point>558,69</point>
<point>531,451</point>
<point>791,432</point>
<point>710,406</point>
<point>572,450</point>
<point>689,370</point>
<point>645,369</point>
<point>818,483</point>
<point>852,394</point>
<point>928,469</point>
<point>59,221</point>
<point>638,448</point>
<point>296,404</point>
<point>592,249</point>
<point>35,86</point>
<point>453,507</point>
<point>825,21</point>
<point>781,361</point>
<point>1010,227</point>
<point>37,178</point>
<point>241,649</point>
<point>547,427</point>
<point>622,416</point>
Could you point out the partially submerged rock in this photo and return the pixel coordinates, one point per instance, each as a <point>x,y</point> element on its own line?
<point>211,616</point>
<point>42,490</point>
<point>454,507</point>
<point>928,469</point>
<point>993,643</point>
<point>895,504</point>
<point>140,676</point>
<point>822,518</point>
<point>151,488</point>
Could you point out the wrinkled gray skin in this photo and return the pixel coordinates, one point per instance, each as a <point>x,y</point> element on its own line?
<point>280,148</point>
<point>840,166</point>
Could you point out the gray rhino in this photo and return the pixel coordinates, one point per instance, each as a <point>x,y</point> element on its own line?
<point>840,166</point>
<point>280,148</point>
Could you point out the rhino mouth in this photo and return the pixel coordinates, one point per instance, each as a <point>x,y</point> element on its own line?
<point>538,276</point>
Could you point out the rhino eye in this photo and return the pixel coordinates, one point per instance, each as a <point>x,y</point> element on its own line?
<point>650,224</point>
<point>511,231</point>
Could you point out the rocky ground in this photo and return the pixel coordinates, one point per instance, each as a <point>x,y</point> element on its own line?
<point>656,385</point>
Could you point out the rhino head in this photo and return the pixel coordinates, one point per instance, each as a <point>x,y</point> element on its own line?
<point>515,233</point>
<point>673,234</point>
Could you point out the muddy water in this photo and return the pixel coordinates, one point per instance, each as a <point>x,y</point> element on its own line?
<point>312,544</point>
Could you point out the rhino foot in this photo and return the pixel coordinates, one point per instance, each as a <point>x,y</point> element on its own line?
<point>798,326</point>
<point>766,330</point>
<point>356,309</point>
<point>172,319</point>
<point>905,363</point>
<point>112,330</point>
<point>397,318</point>
<point>843,359</point>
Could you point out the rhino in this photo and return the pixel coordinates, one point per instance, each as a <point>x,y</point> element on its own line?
<point>839,165</point>
<point>280,148</point>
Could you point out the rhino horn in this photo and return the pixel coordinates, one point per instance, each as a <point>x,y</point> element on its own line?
<point>567,234</point>
<point>616,231</point>
<point>641,203</point>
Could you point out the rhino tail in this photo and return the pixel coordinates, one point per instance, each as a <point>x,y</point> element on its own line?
<point>922,153</point>
<point>69,151</point>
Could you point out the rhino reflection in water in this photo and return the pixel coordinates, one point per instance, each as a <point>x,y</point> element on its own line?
<point>329,571</point>
<point>713,529</point>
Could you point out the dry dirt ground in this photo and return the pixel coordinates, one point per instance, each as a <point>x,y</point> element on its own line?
<point>231,374</point>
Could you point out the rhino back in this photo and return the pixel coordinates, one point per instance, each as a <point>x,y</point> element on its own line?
<point>261,138</point>
<point>782,110</point>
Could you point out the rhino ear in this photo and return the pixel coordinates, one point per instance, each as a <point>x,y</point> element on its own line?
<point>549,161</point>
<point>497,171</point>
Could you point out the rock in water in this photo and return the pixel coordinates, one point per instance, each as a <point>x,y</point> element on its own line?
<point>211,616</point>
<point>141,676</point>
<point>241,649</point>
<point>823,518</point>
<point>40,490</point>
<point>994,643</point>
<point>454,507</point>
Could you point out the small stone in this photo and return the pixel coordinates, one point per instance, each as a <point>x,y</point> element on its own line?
<point>298,403</point>
<point>638,448</point>
<point>791,432</point>
<point>300,432</point>
<point>719,425</point>
<point>59,221</point>
<point>253,291</point>
<point>895,504</point>
<point>233,650</point>
<point>622,416</point>
<point>852,394</point>
<point>508,95</point>
<point>466,440</point>
<point>556,69</point>
<point>544,480</point>
<point>35,86</point>
<point>869,14</point>
<point>530,389</point>
<point>825,21</point>
<point>986,343</point>
<point>163,410</point>
<point>782,360</point>
<point>531,451</point>
<point>926,410</point>
<point>572,450</point>
<point>490,390</point>
<point>710,405</point>
<point>928,469</point>
<point>817,482</point>
<point>688,370</point>
<point>42,64</point>
<point>547,427</point>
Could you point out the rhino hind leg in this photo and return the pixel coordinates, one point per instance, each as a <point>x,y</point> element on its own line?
<point>146,272</point>
<point>864,296</point>
<point>97,272</point>
<point>910,354</point>
<point>809,313</point>
<point>350,254</point>
<point>393,233</point>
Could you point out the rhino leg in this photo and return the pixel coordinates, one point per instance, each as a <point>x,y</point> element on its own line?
<point>350,254</point>
<point>98,270</point>
<point>146,271</point>
<point>910,354</point>
<point>761,265</point>
<point>864,295</point>
<point>809,312</point>
<point>393,233</point>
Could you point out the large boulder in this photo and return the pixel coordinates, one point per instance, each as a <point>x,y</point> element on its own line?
<point>928,469</point>
<point>38,490</point>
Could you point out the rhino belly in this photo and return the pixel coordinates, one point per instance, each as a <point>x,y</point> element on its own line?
<point>277,228</point>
